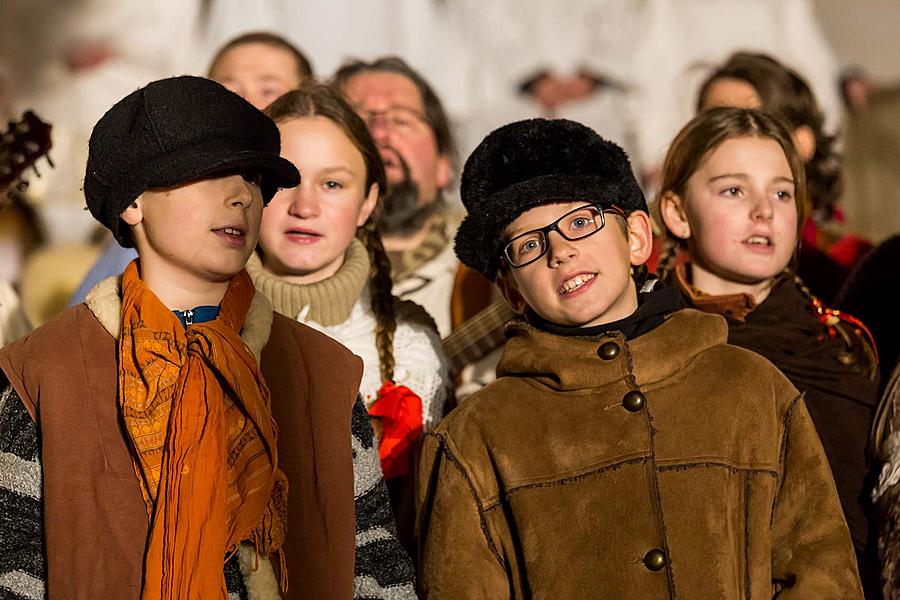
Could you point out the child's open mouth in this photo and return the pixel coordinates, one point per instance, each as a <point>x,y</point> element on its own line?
<point>575,283</point>
<point>758,240</point>
<point>231,235</point>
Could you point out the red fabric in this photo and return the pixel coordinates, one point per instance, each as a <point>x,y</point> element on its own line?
<point>400,412</point>
<point>848,250</point>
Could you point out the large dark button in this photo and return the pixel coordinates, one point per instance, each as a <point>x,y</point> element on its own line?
<point>634,401</point>
<point>608,351</point>
<point>655,560</point>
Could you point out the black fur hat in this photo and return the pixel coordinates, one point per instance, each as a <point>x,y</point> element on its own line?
<point>529,163</point>
<point>175,131</point>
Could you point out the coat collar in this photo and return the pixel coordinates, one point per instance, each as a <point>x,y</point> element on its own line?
<point>573,363</point>
<point>105,302</point>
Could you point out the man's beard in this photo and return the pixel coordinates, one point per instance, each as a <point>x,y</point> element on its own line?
<point>402,215</point>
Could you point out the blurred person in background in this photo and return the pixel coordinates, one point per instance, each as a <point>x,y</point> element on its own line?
<point>680,42</point>
<point>413,135</point>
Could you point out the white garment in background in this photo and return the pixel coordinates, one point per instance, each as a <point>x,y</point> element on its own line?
<point>147,41</point>
<point>513,40</point>
<point>420,363</point>
<point>681,41</point>
<point>431,287</point>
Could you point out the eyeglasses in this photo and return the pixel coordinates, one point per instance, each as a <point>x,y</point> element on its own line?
<point>577,224</point>
<point>399,119</point>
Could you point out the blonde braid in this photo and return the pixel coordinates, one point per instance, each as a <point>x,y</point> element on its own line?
<point>671,248</point>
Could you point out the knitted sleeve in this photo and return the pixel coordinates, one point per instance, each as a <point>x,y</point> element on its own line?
<point>383,570</point>
<point>22,573</point>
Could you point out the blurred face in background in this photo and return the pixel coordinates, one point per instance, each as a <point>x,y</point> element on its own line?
<point>392,107</point>
<point>727,91</point>
<point>257,72</point>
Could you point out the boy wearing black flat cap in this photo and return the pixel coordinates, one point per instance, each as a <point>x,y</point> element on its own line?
<point>139,453</point>
<point>625,451</point>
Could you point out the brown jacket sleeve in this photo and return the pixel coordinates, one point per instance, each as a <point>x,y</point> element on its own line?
<point>812,556</point>
<point>458,559</point>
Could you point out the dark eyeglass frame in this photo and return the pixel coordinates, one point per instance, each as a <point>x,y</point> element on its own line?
<point>554,226</point>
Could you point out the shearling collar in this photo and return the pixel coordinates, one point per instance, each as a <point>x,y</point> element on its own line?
<point>573,363</point>
<point>105,301</point>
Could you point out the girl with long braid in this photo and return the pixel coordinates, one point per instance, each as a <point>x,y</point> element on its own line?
<point>733,198</point>
<point>320,260</point>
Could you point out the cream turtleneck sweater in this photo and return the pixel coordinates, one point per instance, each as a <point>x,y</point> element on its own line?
<point>328,302</point>
<point>340,307</point>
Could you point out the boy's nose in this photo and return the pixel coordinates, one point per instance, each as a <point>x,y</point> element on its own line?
<point>239,194</point>
<point>560,249</point>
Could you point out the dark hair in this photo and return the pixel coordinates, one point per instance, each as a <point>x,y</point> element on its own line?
<point>699,138</point>
<point>434,110</point>
<point>787,95</point>
<point>327,101</point>
<point>304,68</point>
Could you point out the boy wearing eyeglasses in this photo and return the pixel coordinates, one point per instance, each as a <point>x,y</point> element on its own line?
<point>625,451</point>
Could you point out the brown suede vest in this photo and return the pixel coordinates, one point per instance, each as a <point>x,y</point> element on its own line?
<point>95,521</point>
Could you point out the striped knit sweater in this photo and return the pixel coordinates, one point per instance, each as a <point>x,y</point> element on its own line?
<point>382,568</point>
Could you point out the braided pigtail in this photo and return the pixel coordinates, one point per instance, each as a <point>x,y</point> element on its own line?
<point>382,299</point>
<point>667,257</point>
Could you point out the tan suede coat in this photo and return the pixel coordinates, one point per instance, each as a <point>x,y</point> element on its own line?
<point>668,466</point>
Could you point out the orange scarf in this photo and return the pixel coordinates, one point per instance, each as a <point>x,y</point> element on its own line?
<point>197,413</point>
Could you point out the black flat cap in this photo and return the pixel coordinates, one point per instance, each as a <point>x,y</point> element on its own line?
<point>174,131</point>
<point>529,163</point>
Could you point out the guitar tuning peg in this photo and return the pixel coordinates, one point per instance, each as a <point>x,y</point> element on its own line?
<point>23,127</point>
<point>5,170</point>
<point>22,187</point>
<point>31,147</point>
<point>8,138</point>
<point>18,158</point>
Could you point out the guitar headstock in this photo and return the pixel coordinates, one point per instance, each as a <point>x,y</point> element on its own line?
<point>23,143</point>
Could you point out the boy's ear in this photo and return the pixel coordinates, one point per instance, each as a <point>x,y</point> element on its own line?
<point>640,237</point>
<point>674,217</point>
<point>368,205</point>
<point>134,214</point>
<point>510,292</point>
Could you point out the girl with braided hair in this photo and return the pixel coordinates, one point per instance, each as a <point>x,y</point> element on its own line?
<point>732,200</point>
<point>749,80</point>
<point>320,260</point>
